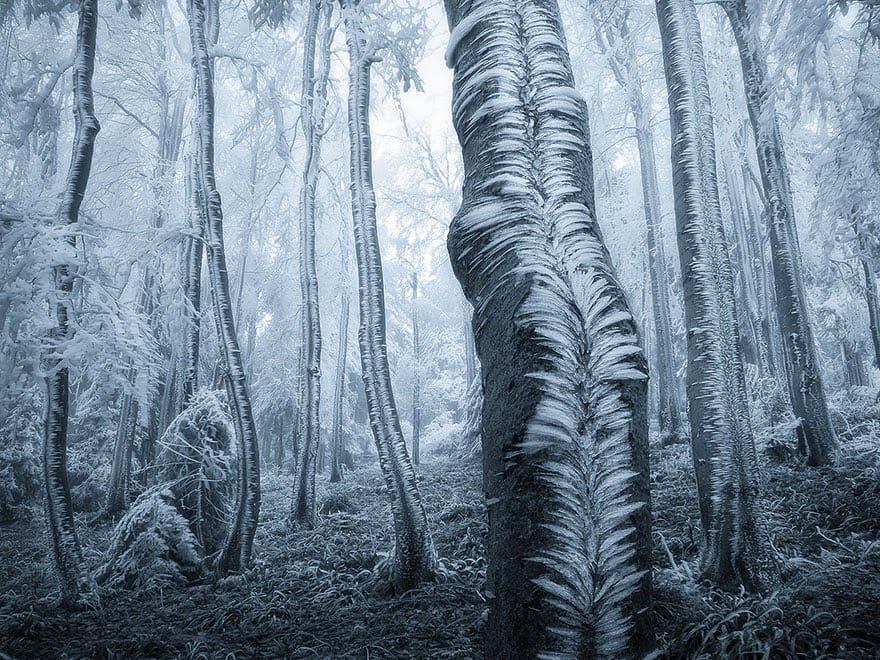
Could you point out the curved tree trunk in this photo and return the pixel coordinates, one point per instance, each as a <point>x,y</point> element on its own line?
<point>314,103</point>
<point>192,286</point>
<point>564,429</point>
<point>339,395</point>
<point>236,552</point>
<point>414,557</point>
<point>815,431</point>
<point>66,551</point>
<point>735,549</point>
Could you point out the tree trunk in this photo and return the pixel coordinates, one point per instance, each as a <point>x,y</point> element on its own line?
<point>414,557</point>
<point>72,577</point>
<point>564,428</point>
<point>339,395</point>
<point>625,68</point>
<point>236,552</point>
<point>192,286</point>
<point>735,548</point>
<point>872,301</point>
<point>120,467</point>
<point>815,431</point>
<point>314,103</point>
<point>417,385</point>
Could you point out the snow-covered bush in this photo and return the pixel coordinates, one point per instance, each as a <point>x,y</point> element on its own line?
<point>196,462</point>
<point>152,546</point>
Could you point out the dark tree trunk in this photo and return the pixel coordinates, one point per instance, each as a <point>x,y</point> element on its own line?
<point>815,431</point>
<point>236,552</point>
<point>417,385</point>
<point>72,577</point>
<point>736,551</point>
<point>336,444</point>
<point>414,557</point>
<point>564,428</point>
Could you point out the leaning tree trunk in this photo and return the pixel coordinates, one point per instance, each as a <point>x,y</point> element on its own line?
<point>417,384</point>
<point>314,103</point>
<point>339,394</point>
<point>564,428</point>
<point>414,557</point>
<point>815,432</point>
<point>72,577</point>
<point>735,549</point>
<point>236,551</point>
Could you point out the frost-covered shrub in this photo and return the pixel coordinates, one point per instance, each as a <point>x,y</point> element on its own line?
<point>196,462</point>
<point>152,546</point>
<point>20,478</point>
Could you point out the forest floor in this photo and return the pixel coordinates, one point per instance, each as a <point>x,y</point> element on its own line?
<point>310,593</point>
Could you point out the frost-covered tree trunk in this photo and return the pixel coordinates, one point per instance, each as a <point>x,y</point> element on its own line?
<point>872,299</point>
<point>625,68</point>
<point>72,577</point>
<point>339,393</point>
<point>236,551</point>
<point>417,384</point>
<point>120,466</point>
<point>815,432</point>
<point>192,285</point>
<point>564,428</point>
<point>735,548</point>
<point>314,104</point>
<point>414,558</point>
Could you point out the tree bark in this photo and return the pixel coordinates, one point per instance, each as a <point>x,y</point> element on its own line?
<point>66,552</point>
<point>815,431</point>
<point>564,428</point>
<point>417,385</point>
<point>736,551</point>
<point>414,558</point>
<point>236,551</point>
<point>314,102</point>
<point>336,445</point>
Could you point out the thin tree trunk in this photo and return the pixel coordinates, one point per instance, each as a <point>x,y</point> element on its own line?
<point>336,446</point>
<point>417,385</point>
<point>670,408</point>
<point>735,548</point>
<point>314,102</point>
<point>414,558</point>
<point>193,285</point>
<point>72,577</point>
<point>120,467</point>
<point>815,431</point>
<point>872,301</point>
<point>236,552</point>
<point>564,428</point>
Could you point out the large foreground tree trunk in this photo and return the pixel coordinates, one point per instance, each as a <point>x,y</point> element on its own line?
<point>236,552</point>
<point>815,432</point>
<point>414,557</point>
<point>314,103</point>
<point>735,550</point>
<point>564,429</point>
<point>66,552</point>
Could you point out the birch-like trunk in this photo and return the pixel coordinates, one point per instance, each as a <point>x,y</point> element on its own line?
<point>564,428</point>
<point>66,552</point>
<point>815,432</point>
<point>314,104</point>
<point>236,551</point>
<point>414,558</point>
<point>417,382</point>
<point>339,393</point>
<point>736,551</point>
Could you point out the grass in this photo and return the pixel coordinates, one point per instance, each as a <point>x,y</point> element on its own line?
<point>311,593</point>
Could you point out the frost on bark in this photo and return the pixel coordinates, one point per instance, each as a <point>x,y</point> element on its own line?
<point>624,65</point>
<point>414,559</point>
<point>736,551</point>
<point>872,298</point>
<point>314,104</point>
<point>192,285</point>
<point>66,552</point>
<point>417,385</point>
<point>236,552</point>
<point>815,433</point>
<point>336,444</point>
<point>565,451</point>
